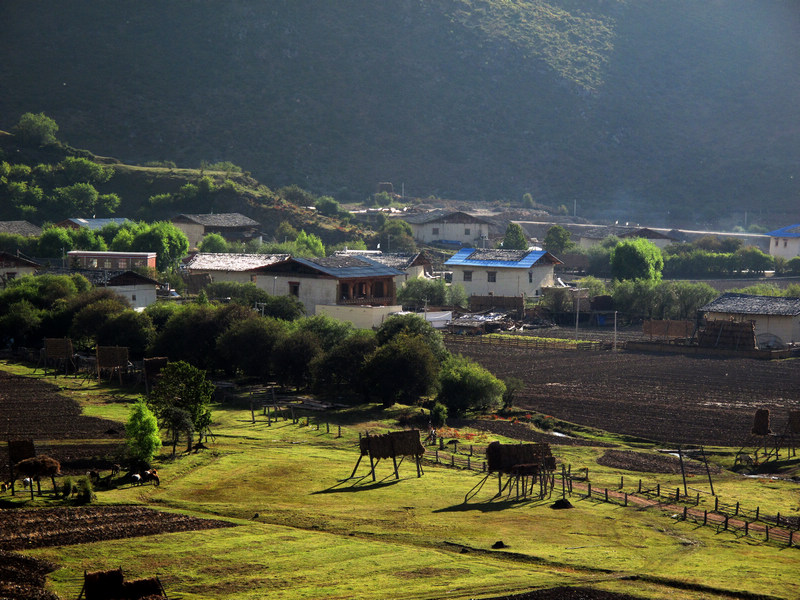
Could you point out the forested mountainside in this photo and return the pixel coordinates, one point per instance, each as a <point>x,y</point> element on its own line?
<point>681,112</point>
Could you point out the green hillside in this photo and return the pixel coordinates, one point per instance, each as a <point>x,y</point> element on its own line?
<point>679,113</point>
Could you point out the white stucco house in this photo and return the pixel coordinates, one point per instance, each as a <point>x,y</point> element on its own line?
<point>137,289</point>
<point>229,267</point>
<point>785,242</point>
<point>774,317</point>
<point>492,272</point>
<point>234,227</point>
<point>332,281</point>
<point>453,227</point>
<point>12,266</point>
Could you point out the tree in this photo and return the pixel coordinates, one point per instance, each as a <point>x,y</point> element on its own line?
<point>127,328</point>
<point>77,200</point>
<point>637,259</point>
<point>515,238</point>
<point>342,370</point>
<point>54,242</point>
<point>465,386</point>
<point>185,387</point>
<point>527,201</point>
<point>329,331</point>
<point>141,433</point>
<point>248,346</point>
<point>213,242</point>
<point>285,232</point>
<point>328,206</point>
<point>419,292</point>
<point>309,244</point>
<point>409,325</point>
<point>396,236</point>
<point>36,129</point>
<point>82,170</point>
<point>402,370</point>
<point>293,356</point>
<point>557,240</point>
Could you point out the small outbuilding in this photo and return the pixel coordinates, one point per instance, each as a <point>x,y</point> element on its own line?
<point>776,319</point>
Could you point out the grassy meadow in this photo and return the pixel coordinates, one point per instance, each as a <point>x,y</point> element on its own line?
<point>304,530</point>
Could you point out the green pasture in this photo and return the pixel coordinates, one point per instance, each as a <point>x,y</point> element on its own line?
<point>304,530</point>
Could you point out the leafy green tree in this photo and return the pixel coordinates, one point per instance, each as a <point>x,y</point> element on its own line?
<point>162,237</point>
<point>396,236</point>
<point>513,385</point>
<point>213,242</point>
<point>637,259</point>
<point>515,238</point>
<point>593,285</point>
<point>86,239</point>
<point>557,240</point>
<point>285,232</point>
<point>342,370</point>
<point>329,331</point>
<point>752,260</point>
<point>327,206</point>
<point>90,319</point>
<point>793,266</point>
<point>296,195</point>
<point>20,324</point>
<point>189,335</point>
<point>420,291</point>
<point>141,433</point>
<point>402,370</point>
<point>248,346</point>
<point>527,201</point>
<point>309,245</point>
<point>107,205</point>
<point>465,386</point>
<point>36,130</point>
<point>54,242</point>
<point>411,325</point>
<point>128,328</point>
<point>82,170</point>
<point>184,387</point>
<point>76,200</point>
<point>293,356</point>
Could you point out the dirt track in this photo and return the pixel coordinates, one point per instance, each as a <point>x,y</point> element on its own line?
<point>667,398</point>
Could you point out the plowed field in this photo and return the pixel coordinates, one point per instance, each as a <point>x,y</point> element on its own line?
<point>668,398</point>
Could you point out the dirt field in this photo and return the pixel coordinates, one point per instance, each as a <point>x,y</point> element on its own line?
<point>36,528</point>
<point>34,409</point>
<point>666,398</point>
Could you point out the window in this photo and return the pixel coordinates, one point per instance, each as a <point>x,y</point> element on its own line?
<point>435,231</point>
<point>491,276</point>
<point>530,276</point>
<point>294,288</point>
<point>467,275</point>
<point>133,297</point>
<point>784,243</point>
<point>107,263</point>
<point>121,263</point>
<point>467,231</point>
<point>92,263</point>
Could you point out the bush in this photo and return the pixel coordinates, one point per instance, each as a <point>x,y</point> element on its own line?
<point>465,386</point>
<point>402,370</point>
<point>141,432</point>
<point>36,129</point>
<point>438,414</point>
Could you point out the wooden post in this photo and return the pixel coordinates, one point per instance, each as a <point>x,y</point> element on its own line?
<point>626,498</point>
<point>685,512</point>
<point>606,494</point>
<point>716,503</point>
<point>683,472</point>
<point>726,522</point>
<point>746,528</point>
<point>640,487</point>
<point>791,537</point>
<point>437,456</point>
<point>327,427</point>
<point>708,471</point>
<point>621,481</point>
<point>737,509</point>
<point>470,449</point>
<point>758,508</point>
<point>469,466</point>
<point>766,532</point>
<point>394,461</point>
<point>677,494</point>
<point>340,432</point>
<point>252,413</point>
<point>589,491</point>
<point>658,490</point>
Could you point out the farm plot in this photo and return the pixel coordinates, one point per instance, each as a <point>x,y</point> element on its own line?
<point>37,528</point>
<point>665,398</point>
<point>34,409</point>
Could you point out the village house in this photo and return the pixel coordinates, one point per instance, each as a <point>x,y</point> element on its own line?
<point>110,261</point>
<point>229,267</point>
<point>451,227</point>
<point>137,289</point>
<point>492,272</point>
<point>412,264</point>
<point>234,227</point>
<point>777,319</point>
<point>785,242</point>
<point>344,281</point>
<point>12,266</point>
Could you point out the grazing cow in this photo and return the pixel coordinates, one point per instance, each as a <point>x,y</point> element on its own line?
<point>94,476</point>
<point>4,487</point>
<point>136,479</point>
<point>151,475</point>
<point>115,469</point>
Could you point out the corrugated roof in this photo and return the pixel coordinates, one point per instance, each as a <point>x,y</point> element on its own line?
<point>438,214</point>
<point>748,304</point>
<point>95,224</point>
<point>396,260</point>
<point>209,261</point>
<point>343,267</point>
<point>788,231</point>
<point>515,259</point>
<point>220,220</point>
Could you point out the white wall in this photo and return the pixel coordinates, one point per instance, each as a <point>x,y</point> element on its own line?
<point>784,247</point>
<point>140,295</point>
<point>362,317</point>
<point>450,231</point>
<point>509,281</point>
<point>313,290</point>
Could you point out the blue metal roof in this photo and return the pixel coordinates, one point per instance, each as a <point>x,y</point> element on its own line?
<point>516,259</point>
<point>791,231</point>
<point>343,267</point>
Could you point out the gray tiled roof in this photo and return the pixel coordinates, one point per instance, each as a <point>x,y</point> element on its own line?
<point>747,304</point>
<point>220,220</point>
<point>438,214</point>
<point>20,228</point>
<point>208,261</point>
